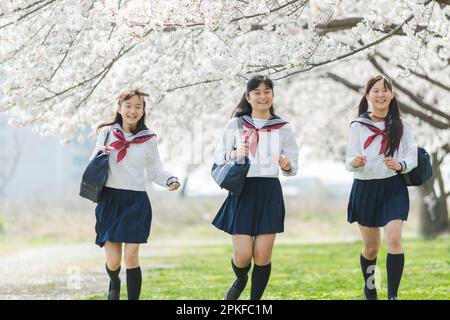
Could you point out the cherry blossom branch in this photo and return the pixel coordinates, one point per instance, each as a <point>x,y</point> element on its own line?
<point>100,74</point>
<point>419,75</point>
<point>27,14</point>
<point>404,107</point>
<point>348,54</point>
<point>408,93</point>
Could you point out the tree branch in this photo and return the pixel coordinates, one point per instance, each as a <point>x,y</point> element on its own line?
<point>28,13</point>
<point>408,93</point>
<point>419,75</point>
<point>371,44</point>
<point>443,3</point>
<point>404,107</point>
<point>348,23</point>
<point>170,27</point>
<point>303,2</point>
<point>340,24</point>
<point>26,8</point>
<point>105,69</point>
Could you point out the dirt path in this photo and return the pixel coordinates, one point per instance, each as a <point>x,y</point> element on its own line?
<point>72,271</point>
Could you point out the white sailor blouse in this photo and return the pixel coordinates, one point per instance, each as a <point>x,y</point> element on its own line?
<point>268,139</point>
<point>372,141</point>
<point>132,168</point>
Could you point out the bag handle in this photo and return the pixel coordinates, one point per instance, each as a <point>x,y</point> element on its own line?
<point>106,136</point>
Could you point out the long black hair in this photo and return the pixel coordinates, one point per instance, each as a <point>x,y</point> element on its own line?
<point>245,108</point>
<point>126,95</point>
<point>393,123</point>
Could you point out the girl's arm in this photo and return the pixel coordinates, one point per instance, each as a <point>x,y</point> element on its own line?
<point>290,150</point>
<point>353,147</point>
<point>226,143</point>
<point>408,158</point>
<point>155,170</point>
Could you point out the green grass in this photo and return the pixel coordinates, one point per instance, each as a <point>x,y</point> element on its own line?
<point>299,271</point>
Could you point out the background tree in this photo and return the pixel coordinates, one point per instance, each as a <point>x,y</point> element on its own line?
<point>65,62</point>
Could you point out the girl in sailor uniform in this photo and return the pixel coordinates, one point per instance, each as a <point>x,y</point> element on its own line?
<point>255,216</point>
<point>124,214</point>
<point>381,147</point>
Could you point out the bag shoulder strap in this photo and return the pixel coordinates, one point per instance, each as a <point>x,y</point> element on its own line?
<point>240,125</point>
<point>107,135</point>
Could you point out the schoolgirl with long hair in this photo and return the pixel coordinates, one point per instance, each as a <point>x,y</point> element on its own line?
<point>254,217</point>
<point>124,213</point>
<point>381,147</point>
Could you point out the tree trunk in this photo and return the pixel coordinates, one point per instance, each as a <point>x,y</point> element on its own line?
<point>434,210</point>
<point>183,187</point>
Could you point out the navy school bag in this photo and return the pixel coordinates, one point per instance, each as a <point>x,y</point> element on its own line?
<point>424,170</point>
<point>95,175</point>
<point>420,174</point>
<point>231,175</point>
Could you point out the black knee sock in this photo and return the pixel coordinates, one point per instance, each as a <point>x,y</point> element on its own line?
<point>368,271</point>
<point>134,282</point>
<point>114,277</point>
<point>260,277</point>
<point>241,275</point>
<point>394,267</point>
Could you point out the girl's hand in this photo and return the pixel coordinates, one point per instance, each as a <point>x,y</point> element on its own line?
<point>105,149</point>
<point>242,151</point>
<point>392,164</point>
<point>174,186</point>
<point>359,161</point>
<point>284,162</point>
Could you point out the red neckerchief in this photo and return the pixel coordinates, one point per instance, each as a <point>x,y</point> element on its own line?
<point>251,133</point>
<point>377,132</point>
<point>122,144</point>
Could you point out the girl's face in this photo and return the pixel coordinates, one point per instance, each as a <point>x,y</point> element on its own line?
<point>260,98</point>
<point>131,111</point>
<point>379,96</point>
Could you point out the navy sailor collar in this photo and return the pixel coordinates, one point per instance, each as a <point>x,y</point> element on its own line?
<point>275,122</point>
<point>142,133</point>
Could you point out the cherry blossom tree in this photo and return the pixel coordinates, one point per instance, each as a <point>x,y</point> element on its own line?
<point>66,61</point>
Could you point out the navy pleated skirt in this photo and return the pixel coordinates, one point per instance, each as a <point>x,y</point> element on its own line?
<point>373,203</point>
<point>123,216</point>
<point>258,210</point>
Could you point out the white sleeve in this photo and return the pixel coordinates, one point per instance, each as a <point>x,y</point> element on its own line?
<point>100,142</point>
<point>353,147</point>
<point>290,150</point>
<point>155,170</point>
<point>408,158</point>
<point>226,143</point>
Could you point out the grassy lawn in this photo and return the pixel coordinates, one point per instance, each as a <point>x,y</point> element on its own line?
<point>299,271</point>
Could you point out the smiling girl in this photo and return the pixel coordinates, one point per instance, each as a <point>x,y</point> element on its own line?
<point>255,216</point>
<point>124,214</point>
<point>380,148</point>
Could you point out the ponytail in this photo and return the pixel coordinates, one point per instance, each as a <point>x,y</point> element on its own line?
<point>394,125</point>
<point>363,106</point>
<point>243,108</point>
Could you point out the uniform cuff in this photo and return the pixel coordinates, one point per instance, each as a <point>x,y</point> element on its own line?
<point>171,180</point>
<point>288,171</point>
